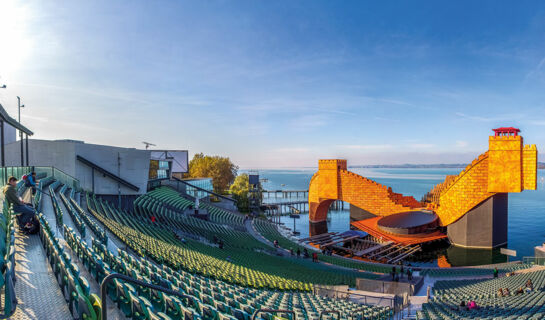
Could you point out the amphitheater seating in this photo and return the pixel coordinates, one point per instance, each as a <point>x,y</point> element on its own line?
<point>215,299</point>
<point>450,293</point>
<point>237,265</point>
<point>211,299</point>
<point>78,221</point>
<point>232,283</point>
<point>188,225</point>
<point>171,199</point>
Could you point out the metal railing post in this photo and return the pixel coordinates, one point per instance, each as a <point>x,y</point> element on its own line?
<point>109,278</point>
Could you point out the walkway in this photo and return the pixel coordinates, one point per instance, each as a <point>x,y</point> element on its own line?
<point>36,288</point>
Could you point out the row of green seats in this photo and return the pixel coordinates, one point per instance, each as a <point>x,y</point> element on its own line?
<point>129,300</point>
<point>78,221</point>
<point>38,197</point>
<point>97,230</point>
<point>56,208</point>
<point>214,297</point>
<point>172,199</point>
<point>82,304</point>
<point>7,256</point>
<point>448,295</point>
<point>488,287</point>
<point>187,224</point>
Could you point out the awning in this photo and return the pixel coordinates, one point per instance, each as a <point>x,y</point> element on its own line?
<point>14,123</point>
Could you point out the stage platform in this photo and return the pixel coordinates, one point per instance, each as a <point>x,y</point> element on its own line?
<point>370,226</point>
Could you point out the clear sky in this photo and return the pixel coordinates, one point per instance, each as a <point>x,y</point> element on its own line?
<point>279,83</point>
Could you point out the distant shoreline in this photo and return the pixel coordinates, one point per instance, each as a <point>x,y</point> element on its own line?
<point>540,165</point>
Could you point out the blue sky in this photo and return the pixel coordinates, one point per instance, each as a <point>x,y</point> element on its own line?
<point>279,83</point>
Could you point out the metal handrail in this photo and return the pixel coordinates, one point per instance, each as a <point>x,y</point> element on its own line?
<point>112,276</point>
<point>330,312</point>
<point>258,311</point>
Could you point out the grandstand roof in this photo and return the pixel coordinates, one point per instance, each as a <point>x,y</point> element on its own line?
<point>12,122</point>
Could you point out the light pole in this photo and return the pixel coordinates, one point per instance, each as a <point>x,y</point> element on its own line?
<point>20,132</point>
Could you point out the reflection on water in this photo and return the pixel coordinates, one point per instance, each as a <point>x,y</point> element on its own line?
<point>526,211</point>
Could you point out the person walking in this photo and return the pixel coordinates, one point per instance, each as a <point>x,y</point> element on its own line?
<point>30,181</point>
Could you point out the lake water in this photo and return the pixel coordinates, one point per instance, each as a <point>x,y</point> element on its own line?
<point>526,209</point>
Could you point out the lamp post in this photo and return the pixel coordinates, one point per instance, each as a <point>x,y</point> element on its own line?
<point>20,132</point>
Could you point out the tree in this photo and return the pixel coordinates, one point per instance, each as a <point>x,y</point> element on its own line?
<point>220,169</point>
<point>239,190</point>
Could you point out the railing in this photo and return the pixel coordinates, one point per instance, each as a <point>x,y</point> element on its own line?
<point>17,172</point>
<point>111,277</point>
<point>534,260</point>
<point>59,175</point>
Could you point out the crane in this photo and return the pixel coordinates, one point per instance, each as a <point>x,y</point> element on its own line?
<point>148,144</point>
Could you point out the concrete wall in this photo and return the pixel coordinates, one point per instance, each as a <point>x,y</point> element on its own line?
<point>134,163</point>
<point>134,167</point>
<point>59,153</point>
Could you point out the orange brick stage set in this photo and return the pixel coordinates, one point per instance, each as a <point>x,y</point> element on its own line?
<point>472,206</point>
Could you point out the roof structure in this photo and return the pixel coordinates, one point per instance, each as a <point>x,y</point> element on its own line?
<point>14,123</point>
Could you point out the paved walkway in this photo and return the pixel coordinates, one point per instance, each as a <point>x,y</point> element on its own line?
<point>36,288</point>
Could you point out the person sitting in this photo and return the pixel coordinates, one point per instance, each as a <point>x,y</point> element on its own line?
<point>506,292</point>
<point>25,213</point>
<point>463,305</point>
<point>500,292</point>
<point>472,305</point>
<point>519,291</point>
<point>529,286</point>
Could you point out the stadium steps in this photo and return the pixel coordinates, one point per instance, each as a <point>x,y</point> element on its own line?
<point>38,293</point>
<point>113,241</point>
<point>36,288</point>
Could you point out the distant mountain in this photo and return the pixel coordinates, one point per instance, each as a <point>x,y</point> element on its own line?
<point>409,165</point>
<point>540,165</point>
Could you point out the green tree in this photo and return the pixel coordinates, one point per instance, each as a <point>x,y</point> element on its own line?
<point>220,169</point>
<point>239,190</point>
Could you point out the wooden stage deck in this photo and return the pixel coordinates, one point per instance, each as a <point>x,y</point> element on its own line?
<point>370,226</point>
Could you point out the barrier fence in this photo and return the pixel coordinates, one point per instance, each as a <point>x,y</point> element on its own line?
<point>41,172</point>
